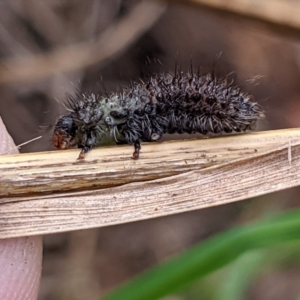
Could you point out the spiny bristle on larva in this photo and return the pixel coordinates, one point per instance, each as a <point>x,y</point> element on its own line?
<point>164,103</point>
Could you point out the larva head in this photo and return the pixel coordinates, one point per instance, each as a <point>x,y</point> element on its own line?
<point>64,133</point>
<point>61,140</point>
<point>92,121</point>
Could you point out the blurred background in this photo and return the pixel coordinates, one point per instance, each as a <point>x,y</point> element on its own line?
<point>52,47</point>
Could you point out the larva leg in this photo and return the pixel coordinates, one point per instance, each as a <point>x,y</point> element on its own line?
<point>89,141</point>
<point>137,148</point>
<point>156,136</point>
<point>83,151</point>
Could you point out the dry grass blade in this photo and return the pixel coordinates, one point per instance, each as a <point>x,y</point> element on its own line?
<point>52,192</point>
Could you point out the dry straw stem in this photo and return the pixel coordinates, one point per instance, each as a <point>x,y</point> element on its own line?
<point>51,192</point>
<point>119,36</point>
<point>279,12</point>
<point>116,39</point>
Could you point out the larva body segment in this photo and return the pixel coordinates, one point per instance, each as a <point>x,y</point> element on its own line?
<point>165,103</point>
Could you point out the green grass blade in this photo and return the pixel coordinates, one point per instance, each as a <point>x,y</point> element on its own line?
<point>208,257</point>
<point>240,275</point>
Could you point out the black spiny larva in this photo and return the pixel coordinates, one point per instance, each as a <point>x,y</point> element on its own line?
<point>165,103</point>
